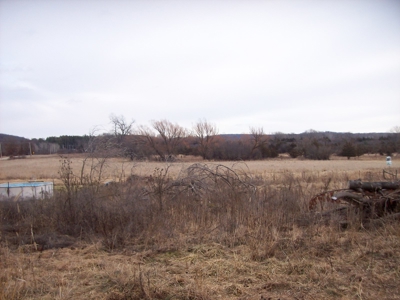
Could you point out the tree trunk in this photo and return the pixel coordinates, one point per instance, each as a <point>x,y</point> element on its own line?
<point>358,185</point>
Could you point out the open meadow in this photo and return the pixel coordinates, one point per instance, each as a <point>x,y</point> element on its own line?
<point>194,229</point>
<point>46,167</point>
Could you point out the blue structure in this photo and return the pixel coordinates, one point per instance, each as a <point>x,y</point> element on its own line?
<point>26,190</point>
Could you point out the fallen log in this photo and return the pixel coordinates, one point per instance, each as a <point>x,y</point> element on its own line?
<point>358,185</point>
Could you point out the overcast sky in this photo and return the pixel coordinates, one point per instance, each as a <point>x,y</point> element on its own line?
<point>286,66</point>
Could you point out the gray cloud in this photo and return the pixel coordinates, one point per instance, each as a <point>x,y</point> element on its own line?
<point>284,65</point>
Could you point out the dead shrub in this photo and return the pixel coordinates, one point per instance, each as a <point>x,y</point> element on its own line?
<point>204,203</point>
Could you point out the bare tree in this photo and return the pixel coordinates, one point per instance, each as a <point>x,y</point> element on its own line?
<point>149,137</point>
<point>127,144</point>
<point>205,133</point>
<point>259,139</point>
<point>395,129</point>
<point>164,138</point>
<point>395,138</point>
<point>121,127</point>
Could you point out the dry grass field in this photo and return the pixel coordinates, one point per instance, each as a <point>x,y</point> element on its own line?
<point>246,234</point>
<point>46,167</point>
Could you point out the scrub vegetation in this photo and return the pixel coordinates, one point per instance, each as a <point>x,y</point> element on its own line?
<point>116,229</point>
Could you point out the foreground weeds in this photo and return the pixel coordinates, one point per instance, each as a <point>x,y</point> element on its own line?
<point>317,263</point>
<point>210,232</point>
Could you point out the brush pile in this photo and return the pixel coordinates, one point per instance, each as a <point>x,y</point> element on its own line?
<point>372,200</point>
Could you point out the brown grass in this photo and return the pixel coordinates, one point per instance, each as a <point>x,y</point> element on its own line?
<point>314,264</point>
<point>46,167</point>
<point>228,243</point>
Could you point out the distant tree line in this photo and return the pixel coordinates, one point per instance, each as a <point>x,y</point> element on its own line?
<point>165,141</point>
<point>69,143</point>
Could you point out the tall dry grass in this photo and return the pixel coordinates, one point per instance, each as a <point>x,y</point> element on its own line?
<point>46,167</point>
<point>206,231</point>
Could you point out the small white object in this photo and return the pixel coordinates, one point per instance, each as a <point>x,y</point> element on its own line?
<point>389,161</point>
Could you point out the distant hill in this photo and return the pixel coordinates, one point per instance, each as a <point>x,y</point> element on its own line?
<point>11,138</point>
<point>330,134</point>
<point>232,136</point>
